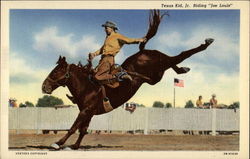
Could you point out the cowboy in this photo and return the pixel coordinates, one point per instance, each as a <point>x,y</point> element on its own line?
<point>112,45</point>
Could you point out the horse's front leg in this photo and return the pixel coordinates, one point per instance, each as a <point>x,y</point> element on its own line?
<point>83,131</point>
<point>74,127</point>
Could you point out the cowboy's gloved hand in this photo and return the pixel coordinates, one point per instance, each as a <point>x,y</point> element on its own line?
<point>91,56</point>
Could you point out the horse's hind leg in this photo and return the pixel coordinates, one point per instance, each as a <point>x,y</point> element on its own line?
<point>186,54</point>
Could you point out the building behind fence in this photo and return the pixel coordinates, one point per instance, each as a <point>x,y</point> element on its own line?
<point>145,119</point>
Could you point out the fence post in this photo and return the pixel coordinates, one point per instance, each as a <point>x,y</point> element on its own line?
<point>18,120</point>
<point>213,121</point>
<point>146,122</point>
<point>38,124</point>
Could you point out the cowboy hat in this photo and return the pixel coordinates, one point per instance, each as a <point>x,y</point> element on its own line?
<point>110,24</point>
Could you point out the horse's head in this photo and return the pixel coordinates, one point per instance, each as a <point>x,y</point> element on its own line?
<point>57,77</point>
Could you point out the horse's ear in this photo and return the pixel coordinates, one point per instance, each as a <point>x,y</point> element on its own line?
<point>58,61</point>
<point>61,59</point>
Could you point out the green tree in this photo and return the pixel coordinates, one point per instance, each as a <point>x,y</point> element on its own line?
<point>168,105</point>
<point>141,105</point>
<point>29,104</point>
<point>48,101</point>
<point>234,105</point>
<point>189,104</point>
<point>21,105</point>
<point>158,104</point>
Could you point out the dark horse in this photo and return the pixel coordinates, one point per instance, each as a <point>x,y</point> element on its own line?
<point>144,66</point>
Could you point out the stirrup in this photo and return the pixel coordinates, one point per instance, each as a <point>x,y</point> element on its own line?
<point>123,75</point>
<point>127,76</point>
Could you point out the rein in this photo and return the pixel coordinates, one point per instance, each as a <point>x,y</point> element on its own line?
<point>65,76</point>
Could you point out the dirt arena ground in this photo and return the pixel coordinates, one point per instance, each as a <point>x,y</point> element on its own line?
<point>136,142</point>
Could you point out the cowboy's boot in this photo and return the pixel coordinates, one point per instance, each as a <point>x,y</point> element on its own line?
<point>106,104</point>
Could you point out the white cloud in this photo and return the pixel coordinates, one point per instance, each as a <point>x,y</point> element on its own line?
<point>227,80</point>
<point>25,81</point>
<point>20,69</point>
<point>224,48</point>
<point>50,41</point>
<point>120,57</point>
<point>173,39</point>
<point>18,65</point>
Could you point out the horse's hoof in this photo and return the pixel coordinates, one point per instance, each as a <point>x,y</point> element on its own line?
<point>67,149</point>
<point>185,69</point>
<point>182,70</point>
<point>209,41</point>
<point>55,146</point>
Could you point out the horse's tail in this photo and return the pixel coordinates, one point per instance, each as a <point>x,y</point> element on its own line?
<point>155,18</point>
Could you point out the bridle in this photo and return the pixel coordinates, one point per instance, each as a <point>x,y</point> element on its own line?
<point>66,76</point>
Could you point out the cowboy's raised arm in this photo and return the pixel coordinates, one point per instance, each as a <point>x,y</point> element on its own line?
<point>127,40</point>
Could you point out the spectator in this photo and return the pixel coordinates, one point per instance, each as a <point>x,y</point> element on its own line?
<point>213,101</point>
<point>199,102</point>
<point>12,102</point>
<point>130,107</point>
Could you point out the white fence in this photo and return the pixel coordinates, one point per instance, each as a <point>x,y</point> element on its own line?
<point>120,120</point>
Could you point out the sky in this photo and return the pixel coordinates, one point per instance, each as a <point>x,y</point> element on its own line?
<point>38,37</point>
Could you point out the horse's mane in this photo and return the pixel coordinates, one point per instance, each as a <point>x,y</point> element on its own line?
<point>81,69</point>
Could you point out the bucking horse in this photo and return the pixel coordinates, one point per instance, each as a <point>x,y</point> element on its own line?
<point>145,66</point>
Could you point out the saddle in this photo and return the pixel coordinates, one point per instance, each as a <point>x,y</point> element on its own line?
<point>113,83</point>
<point>116,70</point>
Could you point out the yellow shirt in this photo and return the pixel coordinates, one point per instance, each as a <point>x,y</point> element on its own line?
<point>113,44</point>
<point>199,103</point>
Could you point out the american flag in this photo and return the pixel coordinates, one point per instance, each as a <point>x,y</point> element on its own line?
<point>178,82</point>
